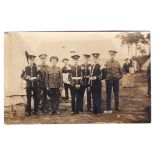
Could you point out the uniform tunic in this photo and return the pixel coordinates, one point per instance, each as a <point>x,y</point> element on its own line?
<point>54,77</point>
<point>43,69</point>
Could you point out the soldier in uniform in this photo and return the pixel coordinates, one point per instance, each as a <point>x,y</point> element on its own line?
<point>75,80</point>
<point>113,75</point>
<point>42,92</point>
<point>66,69</point>
<point>86,69</point>
<point>96,85</point>
<point>126,66</point>
<point>31,75</point>
<point>54,84</point>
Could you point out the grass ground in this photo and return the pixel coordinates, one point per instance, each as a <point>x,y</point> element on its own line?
<point>134,104</point>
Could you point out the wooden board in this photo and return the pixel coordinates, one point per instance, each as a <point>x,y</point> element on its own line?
<point>128,80</point>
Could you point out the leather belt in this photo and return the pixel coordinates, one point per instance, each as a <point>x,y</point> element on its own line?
<point>76,78</point>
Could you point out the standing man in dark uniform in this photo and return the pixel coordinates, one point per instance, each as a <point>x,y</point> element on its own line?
<point>96,85</point>
<point>54,84</point>
<point>86,70</point>
<point>75,80</point>
<point>66,69</point>
<point>113,75</point>
<point>30,74</point>
<point>126,66</point>
<point>42,91</point>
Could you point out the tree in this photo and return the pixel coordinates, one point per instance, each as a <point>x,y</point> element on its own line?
<point>144,44</point>
<point>143,51</point>
<point>137,37</point>
<point>130,38</point>
<point>124,39</point>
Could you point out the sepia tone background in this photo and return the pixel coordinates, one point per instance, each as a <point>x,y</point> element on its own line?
<point>128,44</point>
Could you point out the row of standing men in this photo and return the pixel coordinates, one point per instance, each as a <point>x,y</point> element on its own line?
<point>43,80</point>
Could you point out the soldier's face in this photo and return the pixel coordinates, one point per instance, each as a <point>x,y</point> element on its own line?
<point>65,62</point>
<point>112,56</point>
<point>31,61</point>
<point>53,62</point>
<point>43,60</point>
<point>127,61</point>
<point>75,61</point>
<point>95,60</point>
<point>86,60</point>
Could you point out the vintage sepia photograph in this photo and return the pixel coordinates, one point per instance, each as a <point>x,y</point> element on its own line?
<point>77,77</point>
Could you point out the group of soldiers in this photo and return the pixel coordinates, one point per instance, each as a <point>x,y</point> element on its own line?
<point>44,80</point>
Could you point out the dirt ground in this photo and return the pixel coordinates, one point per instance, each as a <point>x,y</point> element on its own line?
<point>134,104</point>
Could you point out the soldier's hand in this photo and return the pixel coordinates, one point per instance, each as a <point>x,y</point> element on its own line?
<point>60,88</point>
<point>91,78</point>
<point>28,78</point>
<point>68,67</point>
<point>33,78</point>
<point>94,78</point>
<point>88,88</point>
<point>77,86</point>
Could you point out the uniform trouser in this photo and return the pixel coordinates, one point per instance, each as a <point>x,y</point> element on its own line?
<point>97,100</point>
<point>67,87</point>
<point>42,95</point>
<point>54,98</point>
<point>88,91</point>
<point>76,98</point>
<point>32,92</point>
<point>115,85</point>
